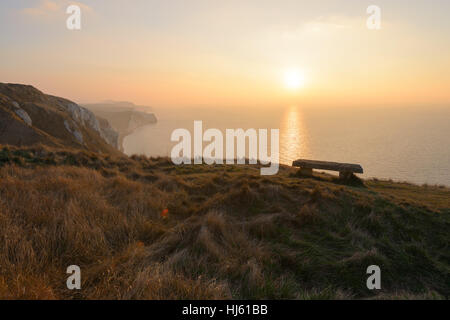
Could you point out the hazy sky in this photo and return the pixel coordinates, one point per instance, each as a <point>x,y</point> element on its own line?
<point>230,53</point>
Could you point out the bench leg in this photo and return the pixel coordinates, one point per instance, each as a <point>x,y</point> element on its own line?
<point>345,175</point>
<point>306,171</point>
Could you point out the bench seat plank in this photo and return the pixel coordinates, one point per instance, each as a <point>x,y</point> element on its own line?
<point>326,165</point>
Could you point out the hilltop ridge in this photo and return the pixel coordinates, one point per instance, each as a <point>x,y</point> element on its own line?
<point>28,116</point>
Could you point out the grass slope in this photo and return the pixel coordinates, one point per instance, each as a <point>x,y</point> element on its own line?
<point>229,232</point>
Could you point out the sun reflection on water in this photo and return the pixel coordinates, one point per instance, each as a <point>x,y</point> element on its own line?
<point>293,136</point>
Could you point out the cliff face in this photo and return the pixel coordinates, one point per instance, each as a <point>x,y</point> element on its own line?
<point>28,116</point>
<point>124,117</point>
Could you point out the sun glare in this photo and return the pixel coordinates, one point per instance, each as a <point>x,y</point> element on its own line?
<point>294,79</point>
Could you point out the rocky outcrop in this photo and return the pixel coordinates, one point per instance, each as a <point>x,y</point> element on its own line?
<point>72,127</point>
<point>108,133</point>
<point>86,118</point>
<point>24,116</point>
<point>28,116</point>
<point>20,112</point>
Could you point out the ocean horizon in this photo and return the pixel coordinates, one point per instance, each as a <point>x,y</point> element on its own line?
<point>407,144</point>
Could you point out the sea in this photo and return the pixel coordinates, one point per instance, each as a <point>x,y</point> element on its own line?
<point>405,144</point>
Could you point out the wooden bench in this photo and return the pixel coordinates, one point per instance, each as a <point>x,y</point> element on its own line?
<point>345,169</point>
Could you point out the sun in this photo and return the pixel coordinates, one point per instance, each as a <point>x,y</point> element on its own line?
<point>294,79</point>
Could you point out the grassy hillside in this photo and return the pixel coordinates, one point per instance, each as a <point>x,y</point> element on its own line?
<point>227,232</point>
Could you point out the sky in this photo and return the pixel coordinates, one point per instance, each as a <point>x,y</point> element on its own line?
<point>231,53</point>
